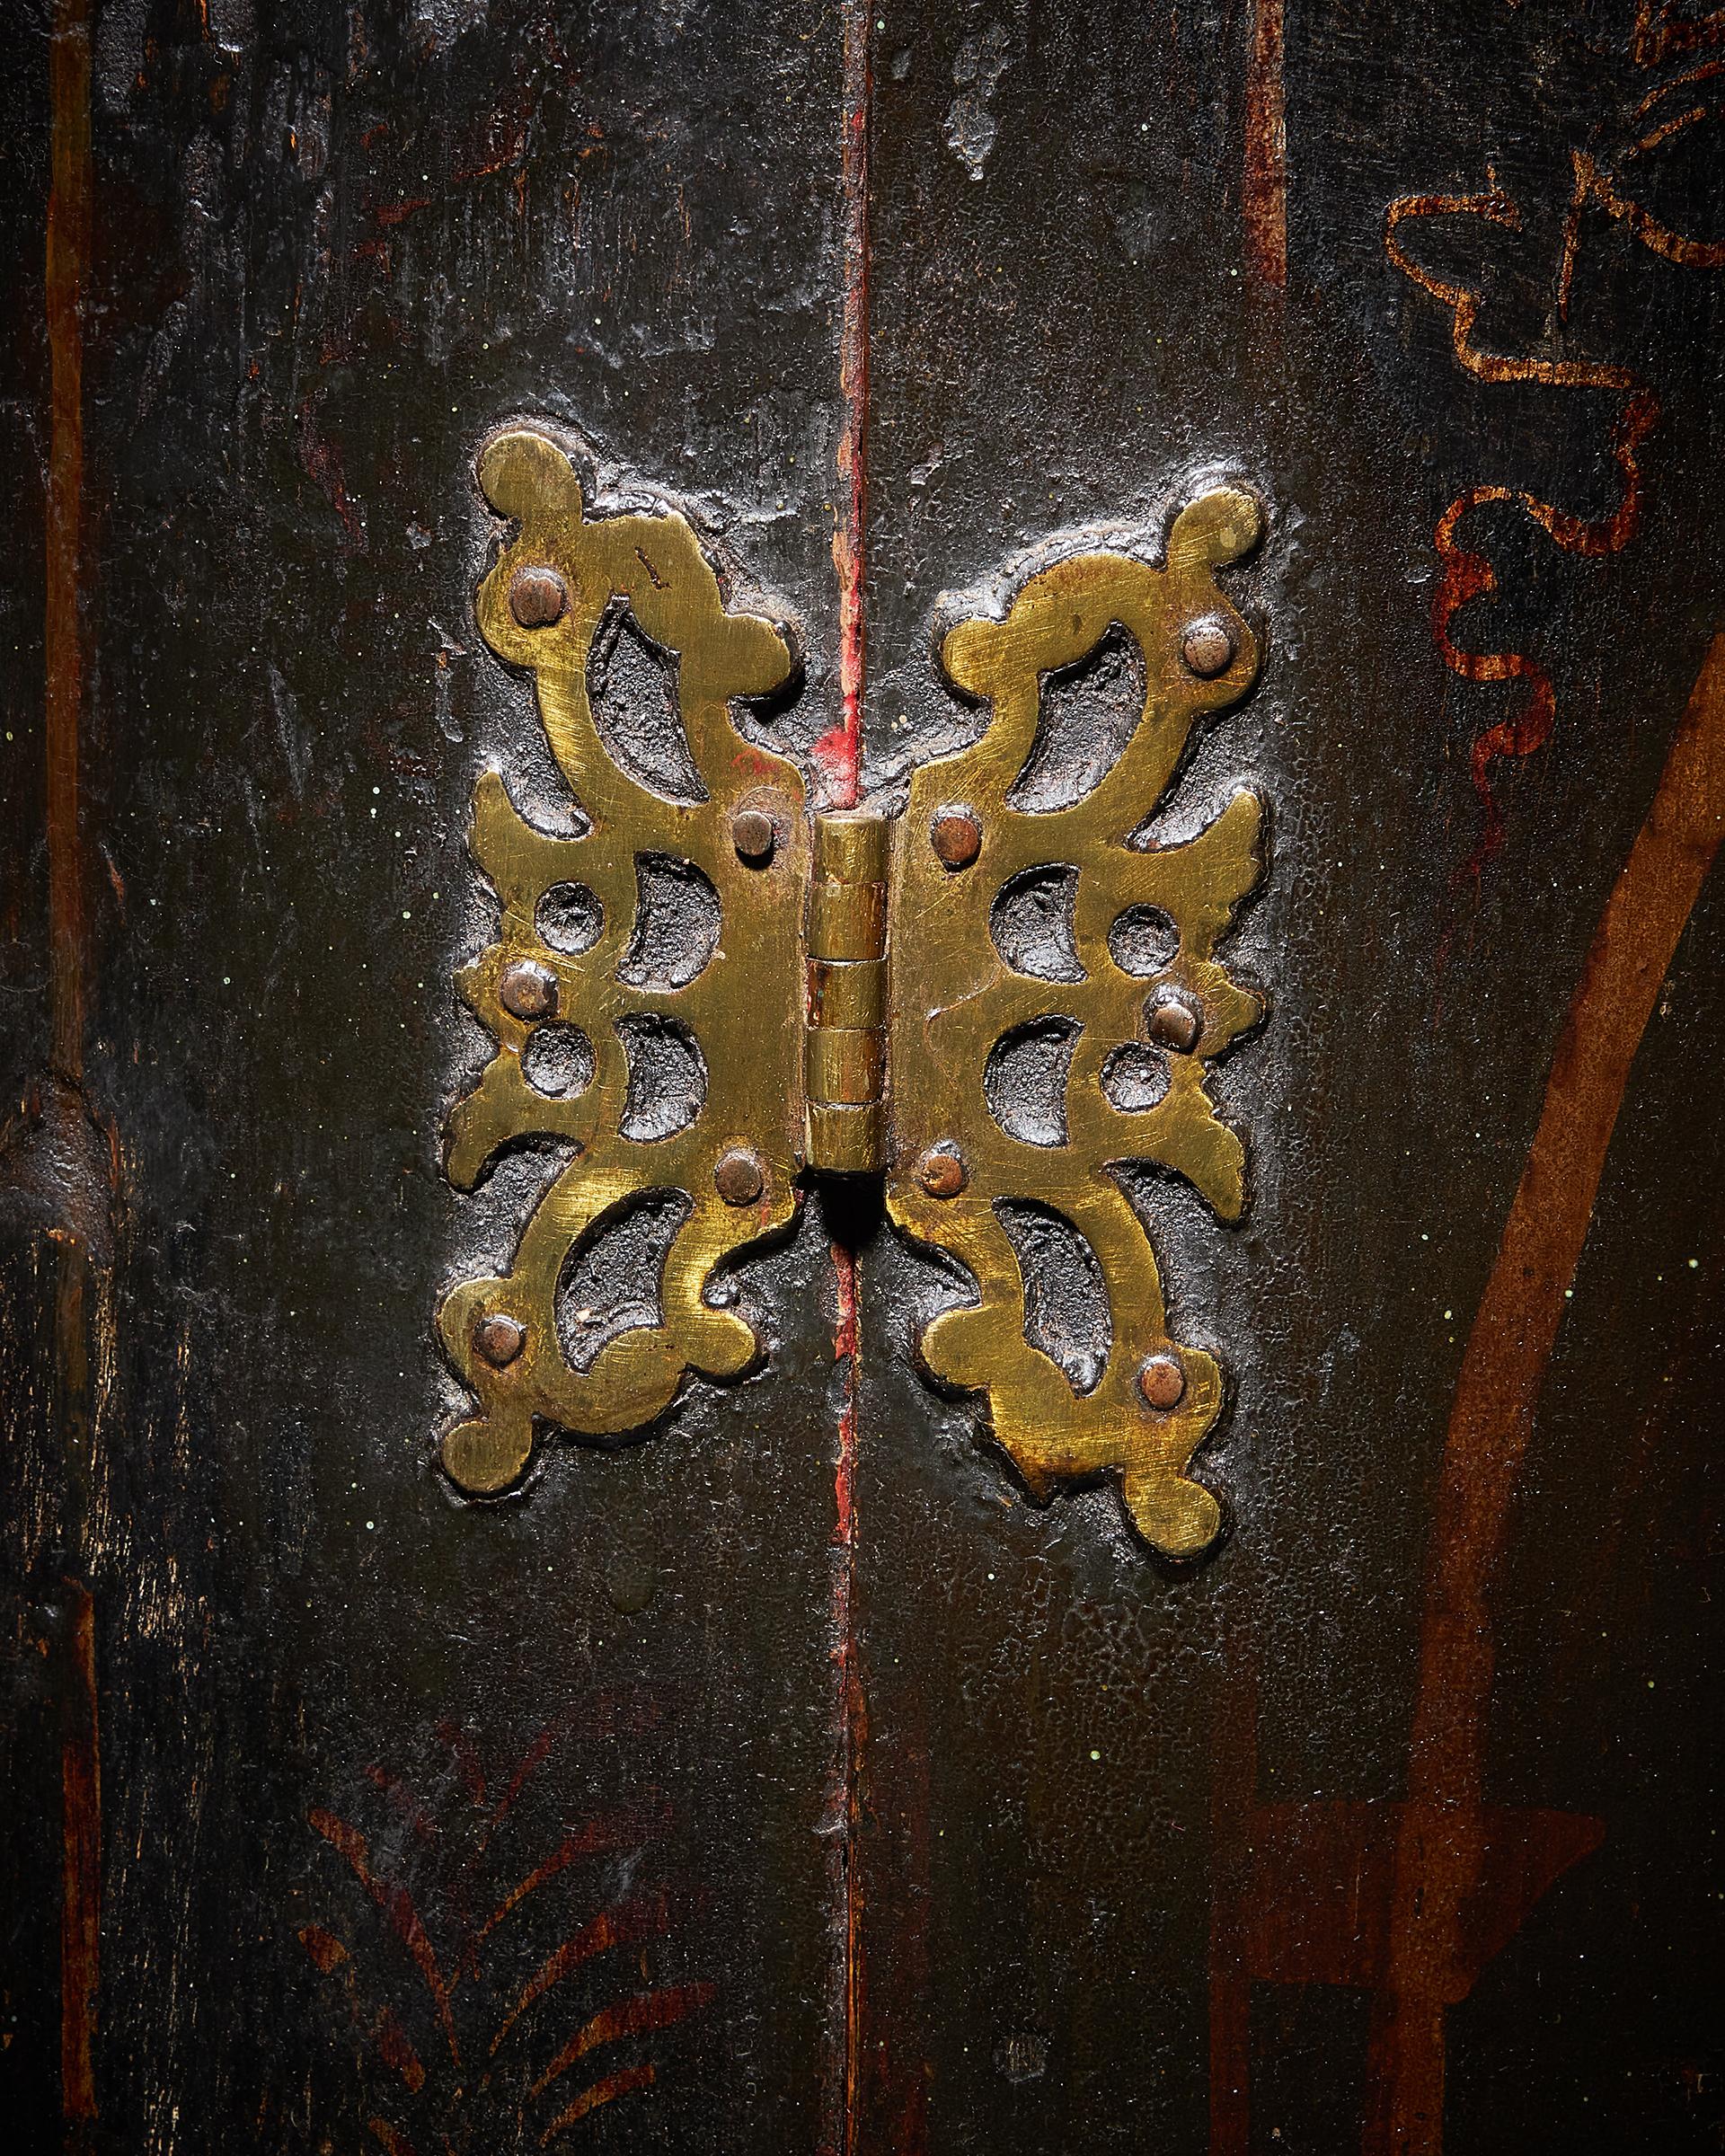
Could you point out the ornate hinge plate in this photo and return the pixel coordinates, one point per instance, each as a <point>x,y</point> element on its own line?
<point>1130,1048</point>
<point>734,1019</point>
<point>1004,998</point>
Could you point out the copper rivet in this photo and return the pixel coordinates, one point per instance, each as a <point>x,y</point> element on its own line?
<point>941,1173</point>
<point>499,1339</point>
<point>1161,1381</point>
<point>956,837</point>
<point>526,989</point>
<point>737,1177</point>
<point>1174,1024</point>
<point>1208,648</point>
<point>753,834</point>
<point>537,597</point>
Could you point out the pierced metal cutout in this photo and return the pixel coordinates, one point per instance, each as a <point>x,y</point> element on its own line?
<point>791,1030</point>
<point>541,608</point>
<point>954,999</point>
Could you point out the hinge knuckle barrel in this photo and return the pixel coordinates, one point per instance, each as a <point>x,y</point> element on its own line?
<point>845,1044</point>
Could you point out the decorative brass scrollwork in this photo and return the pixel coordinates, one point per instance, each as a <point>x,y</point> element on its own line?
<point>734,1162</point>
<point>954,997</point>
<point>848,1010</point>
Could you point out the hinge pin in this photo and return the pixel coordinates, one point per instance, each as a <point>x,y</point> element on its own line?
<point>845,1044</point>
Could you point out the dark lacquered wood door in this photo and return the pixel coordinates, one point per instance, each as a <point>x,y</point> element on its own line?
<point>794,1770</point>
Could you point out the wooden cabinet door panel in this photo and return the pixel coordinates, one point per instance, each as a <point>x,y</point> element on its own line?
<point>791,1774</point>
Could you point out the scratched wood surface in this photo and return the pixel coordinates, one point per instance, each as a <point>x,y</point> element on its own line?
<point>788,1779</point>
<point>327,249</point>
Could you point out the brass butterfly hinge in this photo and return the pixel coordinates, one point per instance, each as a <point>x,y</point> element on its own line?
<point>1007,998</point>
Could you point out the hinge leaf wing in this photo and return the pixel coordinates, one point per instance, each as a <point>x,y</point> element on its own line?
<point>964,1001</point>
<point>676,1078</point>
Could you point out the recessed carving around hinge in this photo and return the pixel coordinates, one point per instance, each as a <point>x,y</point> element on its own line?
<point>1005,1000</point>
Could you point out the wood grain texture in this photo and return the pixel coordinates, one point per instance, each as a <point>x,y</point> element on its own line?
<point>792,1781</point>
<point>330,248</point>
<point>1124,1936</point>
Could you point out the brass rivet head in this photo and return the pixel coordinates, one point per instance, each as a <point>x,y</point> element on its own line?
<point>1208,648</point>
<point>499,1339</point>
<point>528,990</point>
<point>738,1178</point>
<point>754,834</point>
<point>1163,1381</point>
<point>537,597</point>
<point>942,1172</point>
<point>1174,1024</point>
<point>956,837</point>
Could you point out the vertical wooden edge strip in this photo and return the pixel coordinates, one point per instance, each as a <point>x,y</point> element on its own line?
<point>68,261</point>
<point>844,746</point>
<point>1502,1373</point>
<point>66,247</point>
<point>80,1860</point>
<point>1264,179</point>
<point>841,753</point>
<point>839,1824</point>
